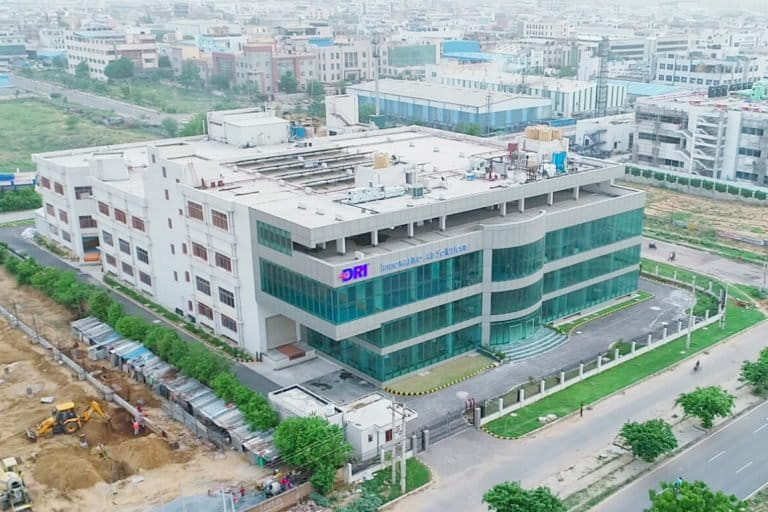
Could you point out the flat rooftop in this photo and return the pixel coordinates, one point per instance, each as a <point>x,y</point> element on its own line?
<point>449,94</point>
<point>694,99</point>
<point>492,73</point>
<point>374,411</point>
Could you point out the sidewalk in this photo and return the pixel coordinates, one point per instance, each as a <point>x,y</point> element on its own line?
<point>469,464</point>
<point>7,217</point>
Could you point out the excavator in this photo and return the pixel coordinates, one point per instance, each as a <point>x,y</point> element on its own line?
<point>65,418</point>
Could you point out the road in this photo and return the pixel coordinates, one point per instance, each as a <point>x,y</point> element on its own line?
<point>733,460</point>
<point>247,375</point>
<point>86,99</point>
<point>704,262</point>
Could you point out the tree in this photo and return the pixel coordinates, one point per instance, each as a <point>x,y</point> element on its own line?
<point>288,83</point>
<point>59,61</point>
<point>71,122</point>
<point>170,126</point>
<point>220,81</point>
<point>756,373</point>
<point>114,313</point>
<point>650,439</point>
<point>82,70</point>
<point>195,126</point>
<point>511,497</point>
<point>315,445</point>
<point>706,404</point>
<point>315,89</point>
<point>164,62</point>
<point>317,108</point>
<point>365,111</point>
<point>132,327</point>
<point>692,497</point>
<point>190,75</point>
<point>98,304</point>
<point>120,69</point>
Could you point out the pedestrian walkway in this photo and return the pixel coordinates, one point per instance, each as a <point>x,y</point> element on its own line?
<point>469,464</point>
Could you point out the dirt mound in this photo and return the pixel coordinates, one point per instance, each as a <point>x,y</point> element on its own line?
<point>66,469</point>
<point>143,453</point>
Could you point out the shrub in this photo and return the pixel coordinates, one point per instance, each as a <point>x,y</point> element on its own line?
<point>720,187</point>
<point>759,194</point>
<point>733,190</point>
<point>707,184</point>
<point>635,171</point>
<point>682,181</point>
<point>696,183</point>
<point>671,178</point>
<point>21,199</point>
<point>747,192</point>
<point>659,176</point>
<point>647,173</point>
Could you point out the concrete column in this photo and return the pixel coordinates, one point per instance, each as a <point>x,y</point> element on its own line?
<point>710,286</point>
<point>576,192</point>
<point>414,444</point>
<point>501,404</point>
<point>521,205</point>
<point>674,275</point>
<point>442,222</point>
<point>634,347</point>
<point>109,396</point>
<point>562,378</point>
<point>375,237</point>
<point>679,326</point>
<point>323,245</point>
<point>341,245</point>
<point>542,386</point>
<point>425,439</point>
<point>503,209</point>
<point>706,314</point>
<point>615,354</point>
<point>477,418</point>
<point>650,338</point>
<point>581,371</point>
<point>599,363</point>
<point>81,375</point>
<point>657,270</point>
<point>348,473</point>
<point>521,395</point>
<point>719,308</point>
<point>410,230</point>
<point>56,355</point>
<point>664,333</point>
<point>551,198</point>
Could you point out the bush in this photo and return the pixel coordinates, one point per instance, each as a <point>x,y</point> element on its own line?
<point>733,190</point>
<point>682,181</point>
<point>635,171</point>
<point>707,184</point>
<point>756,373</point>
<point>659,176</point>
<point>759,194</point>
<point>647,173</point>
<point>21,199</point>
<point>696,183</point>
<point>720,187</point>
<point>671,178</point>
<point>649,440</point>
<point>746,192</point>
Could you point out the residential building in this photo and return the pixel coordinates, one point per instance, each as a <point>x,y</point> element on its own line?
<point>546,29</point>
<point>51,38</point>
<point>98,48</point>
<point>720,137</point>
<point>351,60</point>
<point>12,46</point>
<point>702,69</point>
<point>449,107</point>
<point>388,251</point>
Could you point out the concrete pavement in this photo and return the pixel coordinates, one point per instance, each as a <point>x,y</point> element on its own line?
<point>466,465</point>
<point>733,460</point>
<point>706,263</point>
<point>86,99</point>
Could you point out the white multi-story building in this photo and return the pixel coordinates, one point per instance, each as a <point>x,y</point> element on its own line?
<point>345,60</point>
<point>546,29</point>
<point>98,48</point>
<point>724,138</point>
<point>51,38</point>
<point>701,69</point>
<point>388,251</point>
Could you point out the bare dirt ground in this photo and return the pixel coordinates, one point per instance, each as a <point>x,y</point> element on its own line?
<point>731,216</point>
<point>131,473</point>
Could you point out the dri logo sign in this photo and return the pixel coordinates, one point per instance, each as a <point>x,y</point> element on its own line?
<point>352,273</point>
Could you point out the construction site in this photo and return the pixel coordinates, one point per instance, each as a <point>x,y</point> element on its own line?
<point>88,452</point>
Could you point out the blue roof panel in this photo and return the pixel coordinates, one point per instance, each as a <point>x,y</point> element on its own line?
<point>645,89</point>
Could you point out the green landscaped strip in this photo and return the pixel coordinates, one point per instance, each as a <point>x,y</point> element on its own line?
<point>441,376</point>
<point>526,419</point>
<point>726,251</point>
<point>641,296</point>
<point>416,475</point>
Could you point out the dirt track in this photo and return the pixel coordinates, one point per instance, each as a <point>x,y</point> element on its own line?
<point>128,473</point>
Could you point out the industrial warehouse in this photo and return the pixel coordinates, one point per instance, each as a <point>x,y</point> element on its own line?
<point>387,251</point>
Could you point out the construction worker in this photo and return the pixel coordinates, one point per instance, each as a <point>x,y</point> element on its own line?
<point>136,427</point>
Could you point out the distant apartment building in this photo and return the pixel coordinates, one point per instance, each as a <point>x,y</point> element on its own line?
<point>12,46</point>
<point>724,138</point>
<point>705,68</point>
<point>51,38</point>
<point>350,60</point>
<point>264,64</point>
<point>98,48</point>
<point>546,30</point>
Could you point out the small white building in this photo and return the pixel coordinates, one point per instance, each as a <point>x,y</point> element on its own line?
<point>297,401</point>
<point>368,423</point>
<point>247,127</point>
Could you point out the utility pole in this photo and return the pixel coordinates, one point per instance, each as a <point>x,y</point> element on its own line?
<point>394,444</point>
<point>690,316</point>
<point>403,441</point>
<point>398,438</point>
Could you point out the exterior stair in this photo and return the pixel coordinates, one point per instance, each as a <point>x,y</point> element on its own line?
<point>544,340</point>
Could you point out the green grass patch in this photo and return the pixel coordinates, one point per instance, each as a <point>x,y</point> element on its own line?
<point>702,241</point>
<point>753,292</point>
<point>525,420</point>
<point>416,475</point>
<point>36,127</point>
<point>442,374</point>
<point>18,223</point>
<point>639,297</point>
<point>759,502</point>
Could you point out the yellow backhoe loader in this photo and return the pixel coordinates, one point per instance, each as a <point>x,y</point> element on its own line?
<point>65,418</point>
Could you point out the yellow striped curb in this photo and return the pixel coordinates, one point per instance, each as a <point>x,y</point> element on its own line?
<point>440,387</point>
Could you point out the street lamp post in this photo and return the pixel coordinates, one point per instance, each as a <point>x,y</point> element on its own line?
<point>690,316</point>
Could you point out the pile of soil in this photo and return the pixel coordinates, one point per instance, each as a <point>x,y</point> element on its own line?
<point>66,469</point>
<point>142,453</point>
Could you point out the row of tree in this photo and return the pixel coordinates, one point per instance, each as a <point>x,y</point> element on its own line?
<point>311,444</point>
<point>21,199</point>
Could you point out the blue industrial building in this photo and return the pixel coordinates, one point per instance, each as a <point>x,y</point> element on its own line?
<point>447,106</point>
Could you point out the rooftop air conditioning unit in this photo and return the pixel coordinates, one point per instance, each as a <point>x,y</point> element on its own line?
<point>411,144</point>
<point>436,149</point>
<point>307,190</point>
<point>281,183</point>
<point>359,255</point>
<point>339,218</point>
<point>441,197</point>
<point>302,206</point>
<point>461,155</point>
<point>320,211</point>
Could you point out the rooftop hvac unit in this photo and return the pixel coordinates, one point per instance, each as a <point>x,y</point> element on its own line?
<point>281,182</point>
<point>302,206</point>
<point>441,197</point>
<point>307,190</point>
<point>436,149</point>
<point>411,144</point>
<point>320,211</point>
<point>339,218</point>
<point>410,177</point>
<point>359,255</point>
<point>409,204</point>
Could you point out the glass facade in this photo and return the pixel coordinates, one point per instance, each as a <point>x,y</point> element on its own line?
<point>401,362</point>
<point>517,262</point>
<point>423,322</point>
<point>512,331</point>
<point>347,303</point>
<point>515,300</point>
<point>595,267</point>
<point>589,235</point>
<point>588,296</point>
<point>274,238</point>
